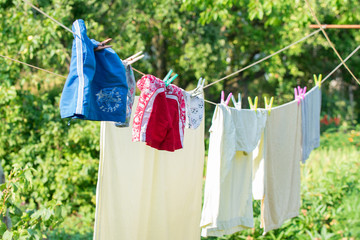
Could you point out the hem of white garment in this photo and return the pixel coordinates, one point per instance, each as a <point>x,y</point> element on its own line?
<point>281,222</point>
<point>227,227</point>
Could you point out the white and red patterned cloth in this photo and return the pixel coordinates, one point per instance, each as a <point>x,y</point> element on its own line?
<point>160,115</point>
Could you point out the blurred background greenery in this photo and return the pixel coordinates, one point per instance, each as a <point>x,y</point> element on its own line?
<point>196,39</point>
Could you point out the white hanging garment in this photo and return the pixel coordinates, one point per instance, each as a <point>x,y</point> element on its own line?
<point>234,134</point>
<point>147,194</point>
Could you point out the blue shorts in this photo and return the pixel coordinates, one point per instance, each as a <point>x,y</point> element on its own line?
<point>96,88</point>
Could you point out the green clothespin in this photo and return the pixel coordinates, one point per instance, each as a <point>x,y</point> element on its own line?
<point>268,106</point>
<point>253,106</point>
<point>318,80</point>
<point>168,75</point>
<point>171,79</point>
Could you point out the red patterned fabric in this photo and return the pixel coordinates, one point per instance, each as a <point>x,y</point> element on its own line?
<point>150,87</point>
<point>160,133</point>
<point>177,92</point>
<point>160,116</point>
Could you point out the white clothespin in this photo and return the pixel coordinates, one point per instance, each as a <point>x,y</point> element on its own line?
<point>199,88</point>
<point>237,104</point>
<point>134,58</point>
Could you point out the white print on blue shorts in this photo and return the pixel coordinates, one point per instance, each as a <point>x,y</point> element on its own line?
<point>109,99</point>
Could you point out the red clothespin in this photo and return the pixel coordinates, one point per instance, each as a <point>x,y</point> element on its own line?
<point>222,101</point>
<point>103,45</point>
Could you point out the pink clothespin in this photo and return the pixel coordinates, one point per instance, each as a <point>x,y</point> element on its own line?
<point>299,93</point>
<point>222,101</point>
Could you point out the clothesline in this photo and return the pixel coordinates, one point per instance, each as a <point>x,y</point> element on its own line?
<point>321,28</point>
<point>263,59</point>
<point>324,79</point>
<point>230,75</point>
<point>331,44</point>
<point>29,65</point>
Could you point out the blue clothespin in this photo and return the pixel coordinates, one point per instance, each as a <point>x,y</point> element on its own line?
<point>222,101</point>
<point>237,104</point>
<point>268,106</point>
<point>318,80</point>
<point>253,106</point>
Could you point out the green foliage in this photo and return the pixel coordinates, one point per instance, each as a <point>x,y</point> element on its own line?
<point>25,223</point>
<point>341,137</point>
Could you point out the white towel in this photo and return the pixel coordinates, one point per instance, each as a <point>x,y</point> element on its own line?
<point>282,165</point>
<point>146,194</point>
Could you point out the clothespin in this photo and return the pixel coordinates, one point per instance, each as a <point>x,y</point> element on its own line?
<point>268,106</point>
<point>253,106</point>
<point>167,80</point>
<point>318,80</point>
<point>299,93</point>
<point>171,79</point>
<point>201,82</point>
<point>222,100</point>
<point>303,93</point>
<point>237,104</point>
<point>103,45</point>
<point>134,58</point>
<point>198,90</point>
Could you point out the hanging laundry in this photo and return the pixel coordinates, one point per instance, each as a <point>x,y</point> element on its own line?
<point>234,134</point>
<point>96,87</point>
<point>194,101</point>
<point>310,109</point>
<point>130,79</point>
<point>146,194</point>
<point>177,110</point>
<point>282,156</point>
<point>160,115</point>
<point>258,171</point>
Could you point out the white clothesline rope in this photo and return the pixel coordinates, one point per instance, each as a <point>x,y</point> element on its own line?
<point>330,43</point>
<point>29,65</point>
<point>40,11</point>
<point>327,76</point>
<point>228,76</point>
<point>342,63</point>
<point>265,58</point>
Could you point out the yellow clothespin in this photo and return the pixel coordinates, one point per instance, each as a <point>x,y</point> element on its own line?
<point>318,80</point>
<point>253,106</point>
<point>268,106</point>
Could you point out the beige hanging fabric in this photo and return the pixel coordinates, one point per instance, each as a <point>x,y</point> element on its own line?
<point>282,154</point>
<point>146,194</point>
